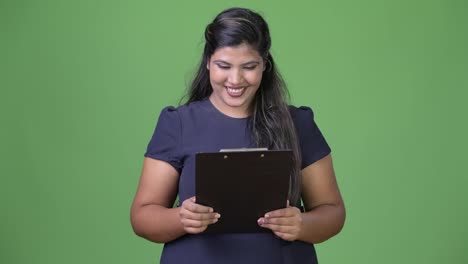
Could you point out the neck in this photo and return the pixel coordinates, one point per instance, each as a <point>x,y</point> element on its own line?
<point>234,112</point>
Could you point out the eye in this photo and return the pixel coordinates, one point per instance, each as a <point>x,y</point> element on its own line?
<point>224,67</point>
<point>250,67</point>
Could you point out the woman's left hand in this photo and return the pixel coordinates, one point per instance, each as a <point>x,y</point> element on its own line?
<point>286,223</point>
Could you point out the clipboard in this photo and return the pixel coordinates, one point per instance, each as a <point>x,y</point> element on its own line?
<point>242,186</point>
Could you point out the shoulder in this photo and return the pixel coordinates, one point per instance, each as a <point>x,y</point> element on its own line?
<point>312,143</point>
<point>176,112</point>
<point>303,118</point>
<point>168,114</point>
<point>185,117</point>
<point>301,114</point>
<point>183,109</point>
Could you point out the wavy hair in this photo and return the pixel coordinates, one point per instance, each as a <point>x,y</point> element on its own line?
<point>271,124</point>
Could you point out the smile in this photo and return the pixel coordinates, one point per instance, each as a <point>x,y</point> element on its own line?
<point>235,92</point>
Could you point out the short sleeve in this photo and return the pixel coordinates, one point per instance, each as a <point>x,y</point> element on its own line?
<point>166,140</point>
<point>311,141</point>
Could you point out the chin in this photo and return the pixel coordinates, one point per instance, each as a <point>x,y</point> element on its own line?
<point>235,102</point>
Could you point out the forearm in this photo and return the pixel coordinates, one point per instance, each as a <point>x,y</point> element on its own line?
<point>322,223</point>
<point>157,223</point>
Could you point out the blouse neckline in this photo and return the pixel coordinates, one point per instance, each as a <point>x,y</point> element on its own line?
<point>213,107</point>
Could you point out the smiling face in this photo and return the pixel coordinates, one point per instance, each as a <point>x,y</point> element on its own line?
<point>235,75</point>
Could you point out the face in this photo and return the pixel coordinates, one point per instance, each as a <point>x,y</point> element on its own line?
<point>235,75</point>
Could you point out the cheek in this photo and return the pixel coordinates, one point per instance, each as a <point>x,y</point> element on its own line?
<point>217,77</point>
<point>254,78</point>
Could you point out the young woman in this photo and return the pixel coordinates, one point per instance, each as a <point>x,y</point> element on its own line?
<point>237,99</point>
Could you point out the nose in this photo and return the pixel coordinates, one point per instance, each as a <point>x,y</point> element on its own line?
<point>235,77</point>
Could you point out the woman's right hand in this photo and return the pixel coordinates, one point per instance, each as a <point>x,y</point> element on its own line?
<point>196,217</point>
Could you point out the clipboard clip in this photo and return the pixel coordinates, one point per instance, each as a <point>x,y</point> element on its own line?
<point>243,149</point>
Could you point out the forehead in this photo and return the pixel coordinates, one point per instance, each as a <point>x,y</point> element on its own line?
<point>236,54</point>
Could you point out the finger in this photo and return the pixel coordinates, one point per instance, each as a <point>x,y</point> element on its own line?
<point>279,228</point>
<point>192,230</point>
<point>285,236</point>
<point>195,230</point>
<point>287,221</point>
<point>190,223</point>
<point>198,216</point>
<point>190,205</point>
<point>284,212</point>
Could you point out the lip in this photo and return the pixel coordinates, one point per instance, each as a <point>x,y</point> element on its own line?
<point>235,91</point>
<point>235,87</point>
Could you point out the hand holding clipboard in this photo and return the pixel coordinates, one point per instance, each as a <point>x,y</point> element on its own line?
<point>242,185</point>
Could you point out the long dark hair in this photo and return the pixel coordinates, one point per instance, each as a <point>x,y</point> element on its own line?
<point>271,123</point>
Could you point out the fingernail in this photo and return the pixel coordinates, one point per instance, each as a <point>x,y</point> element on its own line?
<point>267,215</point>
<point>217,216</point>
<point>210,210</point>
<point>260,221</point>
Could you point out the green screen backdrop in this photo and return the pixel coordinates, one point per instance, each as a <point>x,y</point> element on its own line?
<point>83,82</point>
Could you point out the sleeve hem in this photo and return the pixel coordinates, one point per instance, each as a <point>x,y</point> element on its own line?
<point>168,160</point>
<point>317,156</point>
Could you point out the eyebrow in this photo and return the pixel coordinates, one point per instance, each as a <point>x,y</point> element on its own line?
<point>243,64</point>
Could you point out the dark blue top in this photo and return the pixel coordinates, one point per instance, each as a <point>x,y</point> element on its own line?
<point>200,127</point>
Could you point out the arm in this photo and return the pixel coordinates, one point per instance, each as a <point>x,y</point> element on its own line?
<point>152,215</point>
<point>325,212</point>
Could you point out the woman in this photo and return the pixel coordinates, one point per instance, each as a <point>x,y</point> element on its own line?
<point>237,99</point>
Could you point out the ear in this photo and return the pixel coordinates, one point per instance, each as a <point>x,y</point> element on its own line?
<point>208,64</point>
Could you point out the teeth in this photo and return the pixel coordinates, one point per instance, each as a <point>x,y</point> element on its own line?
<point>235,91</point>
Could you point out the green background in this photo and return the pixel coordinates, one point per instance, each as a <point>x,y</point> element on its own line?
<point>82,84</point>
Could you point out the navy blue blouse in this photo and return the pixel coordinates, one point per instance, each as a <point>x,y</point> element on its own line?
<point>200,127</point>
